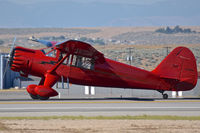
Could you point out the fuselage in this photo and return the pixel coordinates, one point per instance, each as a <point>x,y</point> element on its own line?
<point>107,74</point>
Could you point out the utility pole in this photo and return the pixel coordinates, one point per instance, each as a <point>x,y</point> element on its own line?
<point>130,57</point>
<point>167,49</point>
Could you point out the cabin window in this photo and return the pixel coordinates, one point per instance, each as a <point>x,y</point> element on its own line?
<point>49,52</point>
<point>87,63</point>
<point>74,60</point>
<point>67,60</point>
<point>83,62</point>
<point>79,61</point>
<point>52,54</point>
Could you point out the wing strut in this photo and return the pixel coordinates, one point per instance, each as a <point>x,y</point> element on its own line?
<point>58,64</point>
<point>50,77</point>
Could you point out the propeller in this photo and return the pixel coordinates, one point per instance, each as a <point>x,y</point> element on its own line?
<point>9,57</point>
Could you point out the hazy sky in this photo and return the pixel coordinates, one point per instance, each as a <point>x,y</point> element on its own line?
<point>92,13</point>
<point>25,2</point>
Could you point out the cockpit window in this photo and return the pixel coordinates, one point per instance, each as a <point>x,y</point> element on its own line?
<point>49,52</point>
<point>84,62</point>
<point>80,61</point>
<point>87,63</point>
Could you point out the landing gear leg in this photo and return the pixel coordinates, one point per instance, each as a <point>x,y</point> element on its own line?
<point>165,96</point>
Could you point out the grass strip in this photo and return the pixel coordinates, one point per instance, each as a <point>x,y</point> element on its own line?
<point>141,117</point>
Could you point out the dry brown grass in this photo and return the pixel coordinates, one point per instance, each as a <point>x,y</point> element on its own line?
<point>101,126</point>
<point>3,127</point>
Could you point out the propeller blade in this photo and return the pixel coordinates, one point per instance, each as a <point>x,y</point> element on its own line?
<point>12,47</point>
<point>9,55</point>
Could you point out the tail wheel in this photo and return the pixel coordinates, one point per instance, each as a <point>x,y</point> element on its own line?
<point>33,96</point>
<point>165,96</point>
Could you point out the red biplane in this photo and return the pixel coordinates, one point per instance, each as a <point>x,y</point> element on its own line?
<point>78,62</point>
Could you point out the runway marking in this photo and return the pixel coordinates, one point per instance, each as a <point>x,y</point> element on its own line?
<point>95,108</point>
<point>12,90</point>
<point>95,102</point>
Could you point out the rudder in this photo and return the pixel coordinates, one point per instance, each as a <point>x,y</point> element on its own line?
<point>180,66</point>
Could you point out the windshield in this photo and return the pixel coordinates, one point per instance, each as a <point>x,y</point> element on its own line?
<point>50,52</point>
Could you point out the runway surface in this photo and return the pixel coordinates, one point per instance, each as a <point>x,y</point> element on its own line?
<point>19,104</point>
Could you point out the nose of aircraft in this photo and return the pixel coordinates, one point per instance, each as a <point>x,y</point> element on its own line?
<point>18,60</point>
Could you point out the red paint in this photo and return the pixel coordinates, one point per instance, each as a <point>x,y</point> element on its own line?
<point>31,89</point>
<point>177,72</point>
<point>44,91</point>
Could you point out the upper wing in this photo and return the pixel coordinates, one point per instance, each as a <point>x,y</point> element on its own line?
<point>79,48</point>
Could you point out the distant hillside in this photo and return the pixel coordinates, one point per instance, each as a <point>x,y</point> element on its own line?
<point>148,45</point>
<point>154,38</point>
<point>24,31</point>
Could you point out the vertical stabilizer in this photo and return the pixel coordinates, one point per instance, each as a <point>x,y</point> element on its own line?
<point>179,65</point>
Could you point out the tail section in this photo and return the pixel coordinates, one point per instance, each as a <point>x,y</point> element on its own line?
<point>179,68</point>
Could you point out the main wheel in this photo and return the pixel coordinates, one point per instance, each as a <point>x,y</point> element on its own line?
<point>42,98</point>
<point>165,96</point>
<point>33,96</point>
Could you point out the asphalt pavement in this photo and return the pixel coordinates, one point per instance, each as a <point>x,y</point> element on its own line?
<point>18,103</point>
